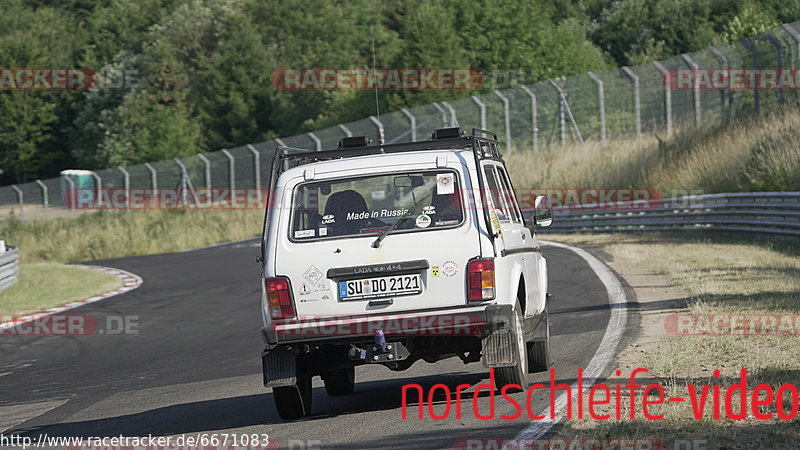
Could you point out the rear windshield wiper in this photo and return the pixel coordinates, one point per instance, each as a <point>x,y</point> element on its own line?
<point>411,210</point>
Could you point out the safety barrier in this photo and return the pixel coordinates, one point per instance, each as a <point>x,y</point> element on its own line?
<point>9,267</point>
<point>774,213</point>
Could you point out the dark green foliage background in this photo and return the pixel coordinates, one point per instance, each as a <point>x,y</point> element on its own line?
<point>206,64</point>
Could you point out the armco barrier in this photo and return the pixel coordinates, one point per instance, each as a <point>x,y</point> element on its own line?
<point>9,267</point>
<point>773,213</point>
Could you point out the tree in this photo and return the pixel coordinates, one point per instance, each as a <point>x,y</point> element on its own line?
<point>232,95</point>
<point>519,34</point>
<point>29,124</point>
<point>430,41</point>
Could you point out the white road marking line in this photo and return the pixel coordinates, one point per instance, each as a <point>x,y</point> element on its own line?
<point>608,346</point>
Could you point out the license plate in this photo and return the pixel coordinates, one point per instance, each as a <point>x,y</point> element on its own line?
<point>380,287</point>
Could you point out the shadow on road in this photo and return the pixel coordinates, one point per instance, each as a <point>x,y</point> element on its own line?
<point>252,410</point>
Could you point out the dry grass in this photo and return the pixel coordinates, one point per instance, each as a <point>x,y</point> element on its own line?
<point>114,234</point>
<point>724,274</point>
<point>742,156</point>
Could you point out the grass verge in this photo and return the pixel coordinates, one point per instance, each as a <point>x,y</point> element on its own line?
<point>723,274</point>
<point>44,285</point>
<point>116,234</point>
<point>744,155</point>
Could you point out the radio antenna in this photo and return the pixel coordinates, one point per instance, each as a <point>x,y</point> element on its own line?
<point>374,73</point>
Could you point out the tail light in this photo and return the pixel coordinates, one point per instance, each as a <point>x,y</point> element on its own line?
<point>279,298</point>
<point>480,279</point>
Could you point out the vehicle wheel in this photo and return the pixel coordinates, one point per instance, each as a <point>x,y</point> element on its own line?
<point>294,402</point>
<point>340,382</point>
<point>539,350</point>
<point>516,373</point>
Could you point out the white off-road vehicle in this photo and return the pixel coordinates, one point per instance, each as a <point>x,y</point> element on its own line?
<point>388,254</point>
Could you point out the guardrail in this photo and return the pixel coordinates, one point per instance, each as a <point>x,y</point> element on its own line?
<point>774,213</point>
<point>9,267</point>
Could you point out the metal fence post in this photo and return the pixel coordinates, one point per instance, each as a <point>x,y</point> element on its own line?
<point>280,142</point>
<point>564,107</point>
<point>453,119</point>
<point>754,56</point>
<point>126,184</point>
<point>20,198</point>
<point>153,177</point>
<point>72,194</point>
<point>726,93</point>
<point>207,165</point>
<point>534,119</point>
<point>601,100</point>
<point>442,111</point>
<point>379,125</point>
<point>507,118</point>
<point>231,169</point>
<point>345,130</point>
<point>667,95</point>
<point>98,187</point>
<point>43,187</point>
<point>698,106</point>
<point>98,181</point>
<point>412,123</point>
<point>256,165</point>
<point>482,108</point>
<point>561,112</point>
<point>317,141</point>
<point>637,101</point>
<point>796,35</point>
<point>185,183</point>
<point>779,60</point>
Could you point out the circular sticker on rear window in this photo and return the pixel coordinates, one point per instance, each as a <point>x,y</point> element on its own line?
<point>423,221</point>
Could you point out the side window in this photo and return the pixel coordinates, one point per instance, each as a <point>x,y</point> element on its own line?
<point>496,194</point>
<point>508,194</point>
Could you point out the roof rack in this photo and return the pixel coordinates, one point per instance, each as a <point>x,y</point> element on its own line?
<point>442,139</point>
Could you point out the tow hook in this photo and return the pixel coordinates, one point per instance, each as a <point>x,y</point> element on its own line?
<point>379,352</point>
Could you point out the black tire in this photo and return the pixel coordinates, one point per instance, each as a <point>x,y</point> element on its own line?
<point>515,374</point>
<point>340,382</point>
<point>294,402</point>
<point>539,350</point>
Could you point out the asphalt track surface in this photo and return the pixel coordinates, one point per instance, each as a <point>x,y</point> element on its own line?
<point>194,365</point>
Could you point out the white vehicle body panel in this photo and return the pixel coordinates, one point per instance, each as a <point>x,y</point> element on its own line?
<point>306,264</point>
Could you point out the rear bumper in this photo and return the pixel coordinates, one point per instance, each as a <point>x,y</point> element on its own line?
<point>467,321</point>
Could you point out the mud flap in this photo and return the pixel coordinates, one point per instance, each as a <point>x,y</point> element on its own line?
<point>279,366</point>
<point>497,349</point>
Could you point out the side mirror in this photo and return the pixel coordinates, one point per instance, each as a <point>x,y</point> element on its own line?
<point>543,212</point>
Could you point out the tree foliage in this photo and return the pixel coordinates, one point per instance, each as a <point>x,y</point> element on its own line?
<point>204,66</point>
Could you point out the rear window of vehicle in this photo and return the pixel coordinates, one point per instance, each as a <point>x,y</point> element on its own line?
<point>361,206</point>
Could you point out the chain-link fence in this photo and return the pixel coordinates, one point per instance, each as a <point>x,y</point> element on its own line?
<point>630,101</point>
